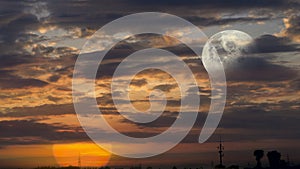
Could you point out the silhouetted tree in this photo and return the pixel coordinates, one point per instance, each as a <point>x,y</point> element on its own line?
<point>274,159</point>
<point>258,156</point>
<point>105,167</point>
<point>233,167</point>
<point>174,167</point>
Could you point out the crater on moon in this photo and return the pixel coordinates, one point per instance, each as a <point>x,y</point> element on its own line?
<point>225,47</point>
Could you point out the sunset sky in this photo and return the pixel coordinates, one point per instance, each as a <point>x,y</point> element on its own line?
<point>41,40</point>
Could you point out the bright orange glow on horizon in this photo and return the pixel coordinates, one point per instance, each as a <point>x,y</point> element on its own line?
<point>89,154</point>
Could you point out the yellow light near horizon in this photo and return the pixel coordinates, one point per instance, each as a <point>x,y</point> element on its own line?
<point>87,154</point>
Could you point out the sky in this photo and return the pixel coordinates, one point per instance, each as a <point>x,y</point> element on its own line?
<point>41,40</point>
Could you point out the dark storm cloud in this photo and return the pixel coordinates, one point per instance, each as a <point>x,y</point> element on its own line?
<point>19,22</point>
<point>293,28</point>
<point>124,48</point>
<point>11,82</point>
<point>52,52</point>
<point>14,22</point>
<point>295,24</point>
<point>107,69</point>
<point>200,89</point>
<point>166,87</point>
<point>10,7</point>
<point>54,78</point>
<point>72,13</point>
<point>182,50</point>
<point>43,110</point>
<point>223,21</point>
<point>295,84</point>
<point>292,25</point>
<point>43,132</point>
<point>75,9</point>
<point>11,60</point>
<point>252,68</point>
<point>271,43</point>
<point>163,123</point>
<point>13,29</point>
<point>138,82</point>
<point>160,124</point>
<point>232,4</point>
<point>105,100</point>
<point>256,65</point>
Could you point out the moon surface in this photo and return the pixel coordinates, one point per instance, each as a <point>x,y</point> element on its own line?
<point>225,47</point>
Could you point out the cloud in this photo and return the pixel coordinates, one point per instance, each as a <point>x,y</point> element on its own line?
<point>43,110</point>
<point>203,21</point>
<point>162,123</point>
<point>257,123</point>
<point>292,27</point>
<point>39,132</point>
<point>54,78</point>
<point>126,47</point>
<point>138,82</point>
<point>258,64</point>
<point>12,82</point>
<point>217,3</point>
<point>39,10</point>
<point>14,23</point>
<point>271,44</point>
<point>152,128</point>
<point>201,12</point>
<point>296,84</point>
<point>36,67</point>
<point>41,50</point>
<point>166,87</point>
<point>251,68</point>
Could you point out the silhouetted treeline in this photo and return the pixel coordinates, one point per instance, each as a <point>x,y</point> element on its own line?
<point>69,167</point>
<point>274,159</point>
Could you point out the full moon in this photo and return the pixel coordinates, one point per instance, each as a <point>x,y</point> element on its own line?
<point>225,47</point>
